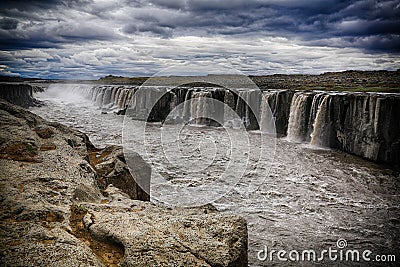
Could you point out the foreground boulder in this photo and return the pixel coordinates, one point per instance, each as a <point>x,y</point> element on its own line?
<point>25,137</point>
<point>154,236</point>
<point>56,210</point>
<point>111,168</point>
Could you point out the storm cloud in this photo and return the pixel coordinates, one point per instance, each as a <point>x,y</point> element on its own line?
<point>89,39</point>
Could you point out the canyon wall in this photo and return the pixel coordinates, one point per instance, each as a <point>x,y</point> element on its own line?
<point>364,124</point>
<point>19,94</point>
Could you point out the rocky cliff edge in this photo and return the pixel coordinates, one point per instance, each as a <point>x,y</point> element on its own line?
<point>60,206</point>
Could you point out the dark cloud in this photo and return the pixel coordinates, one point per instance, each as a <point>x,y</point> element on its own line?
<point>40,5</point>
<point>153,28</point>
<point>8,23</point>
<point>304,20</point>
<point>48,24</point>
<point>368,26</point>
<point>379,43</point>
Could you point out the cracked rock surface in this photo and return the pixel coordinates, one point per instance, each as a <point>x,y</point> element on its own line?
<point>155,236</point>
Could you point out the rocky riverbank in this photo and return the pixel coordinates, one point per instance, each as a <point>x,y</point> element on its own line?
<point>60,206</point>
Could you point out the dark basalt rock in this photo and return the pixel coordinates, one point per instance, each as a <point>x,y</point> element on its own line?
<point>279,104</point>
<point>19,94</point>
<point>367,125</point>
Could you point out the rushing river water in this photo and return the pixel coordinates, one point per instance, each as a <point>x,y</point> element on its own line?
<point>305,199</point>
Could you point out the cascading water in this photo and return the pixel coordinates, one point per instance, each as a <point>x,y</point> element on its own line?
<point>174,101</point>
<point>200,107</point>
<point>68,93</point>
<point>298,118</point>
<point>321,133</point>
<point>352,122</point>
<point>247,107</point>
<point>267,116</point>
<point>316,101</point>
<point>104,97</point>
<point>229,106</point>
<point>99,99</point>
<point>107,97</point>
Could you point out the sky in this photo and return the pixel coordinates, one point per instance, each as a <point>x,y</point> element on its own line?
<point>88,39</point>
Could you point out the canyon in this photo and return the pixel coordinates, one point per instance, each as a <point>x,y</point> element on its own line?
<point>306,194</point>
<point>360,123</point>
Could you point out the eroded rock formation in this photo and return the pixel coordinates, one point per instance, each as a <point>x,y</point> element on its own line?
<point>18,94</point>
<point>154,236</point>
<point>109,163</point>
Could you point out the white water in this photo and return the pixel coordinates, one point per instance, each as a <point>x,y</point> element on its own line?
<point>267,124</point>
<point>320,134</point>
<point>308,198</point>
<point>201,107</point>
<point>297,118</point>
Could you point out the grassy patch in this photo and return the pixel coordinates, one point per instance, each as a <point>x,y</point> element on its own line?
<point>79,209</point>
<point>31,149</point>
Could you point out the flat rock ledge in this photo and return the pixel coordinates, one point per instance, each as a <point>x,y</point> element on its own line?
<point>60,206</point>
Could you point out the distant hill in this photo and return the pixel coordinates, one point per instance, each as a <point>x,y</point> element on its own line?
<point>110,79</point>
<point>352,80</point>
<point>4,78</point>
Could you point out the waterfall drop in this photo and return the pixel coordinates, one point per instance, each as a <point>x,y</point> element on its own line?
<point>298,117</point>
<point>321,133</point>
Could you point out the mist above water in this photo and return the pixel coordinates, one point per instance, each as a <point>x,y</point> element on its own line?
<point>65,93</point>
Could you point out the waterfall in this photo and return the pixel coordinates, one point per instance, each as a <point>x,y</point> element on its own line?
<point>121,99</point>
<point>116,97</point>
<point>138,106</point>
<point>125,100</point>
<point>176,113</point>
<point>229,107</point>
<point>130,96</point>
<point>69,93</point>
<point>299,117</point>
<point>365,124</point>
<point>248,100</point>
<point>267,116</point>
<point>317,99</point>
<point>376,114</point>
<point>174,101</point>
<point>321,133</point>
<point>186,106</point>
<point>113,93</point>
<point>107,97</point>
<point>99,99</point>
<point>95,93</point>
<point>201,108</point>
<point>104,96</point>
